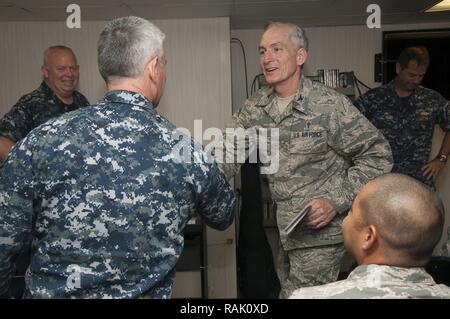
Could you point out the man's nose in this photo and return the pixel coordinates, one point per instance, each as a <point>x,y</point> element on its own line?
<point>267,57</point>
<point>68,72</point>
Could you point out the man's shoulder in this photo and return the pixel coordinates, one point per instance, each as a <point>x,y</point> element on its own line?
<point>361,283</point>
<point>322,94</point>
<point>52,126</point>
<point>378,281</point>
<point>376,93</point>
<point>320,88</point>
<point>326,100</point>
<point>36,96</point>
<point>427,93</point>
<point>338,289</point>
<point>261,98</point>
<point>80,99</point>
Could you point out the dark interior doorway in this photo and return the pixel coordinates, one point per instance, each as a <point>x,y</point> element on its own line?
<point>438,44</point>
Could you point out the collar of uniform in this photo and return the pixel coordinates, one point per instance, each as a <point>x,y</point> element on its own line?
<point>391,86</point>
<point>48,92</point>
<point>391,273</point>
<point>265,97</point>
<point>303,91</point>
<point>44,87</point>
<point>129,97</point>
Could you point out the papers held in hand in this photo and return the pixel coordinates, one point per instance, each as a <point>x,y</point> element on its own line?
<point>295,221</point>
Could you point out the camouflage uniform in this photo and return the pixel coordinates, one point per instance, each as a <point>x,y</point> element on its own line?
<point>34,109</point>
<point>378,281</point>
<point>408,126</point>
<point>103,203</point>
<point>327,149</point>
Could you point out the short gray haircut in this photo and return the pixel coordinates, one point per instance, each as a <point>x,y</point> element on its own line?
<point>56,48</point>
<point>298,36</point>
<point>126,45</point>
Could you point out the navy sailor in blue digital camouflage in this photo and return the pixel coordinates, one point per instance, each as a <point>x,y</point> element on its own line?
<point>55,96</point>
<point>391,230</point>
<point>97,192</point>
<point>327,151</point>
<point>406,113</point>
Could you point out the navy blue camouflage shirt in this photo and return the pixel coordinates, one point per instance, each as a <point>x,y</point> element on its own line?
<point>407,123</point>
<point>34,109</point>
<point>98,195</point>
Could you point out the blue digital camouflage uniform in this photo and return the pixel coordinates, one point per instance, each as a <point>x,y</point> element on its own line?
<point>327,149</point>
<point>34,109</point>
<point>98,194</point>
<point>409,127</point>
<point>378,281</point>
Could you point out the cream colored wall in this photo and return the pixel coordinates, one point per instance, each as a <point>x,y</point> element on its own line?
<point>198,87</point>
<point>347,48</point>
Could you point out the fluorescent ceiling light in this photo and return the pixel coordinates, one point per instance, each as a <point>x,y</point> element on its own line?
<point>444,5</point>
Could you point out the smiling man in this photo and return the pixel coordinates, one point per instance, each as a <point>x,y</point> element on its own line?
<point>55,96</point>
<point>328,150</point>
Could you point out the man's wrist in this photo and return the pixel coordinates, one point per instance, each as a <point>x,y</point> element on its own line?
<point>441,158</point>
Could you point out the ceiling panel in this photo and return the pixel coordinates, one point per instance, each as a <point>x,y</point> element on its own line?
<point>181,12</point>
<point>61,3</point>
<point>13,14</point>
<point>244,14</point>
<point>57,13</point>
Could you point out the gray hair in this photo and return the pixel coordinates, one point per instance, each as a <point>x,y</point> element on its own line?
<point>126,45</point>
<point>298,36</point>
<point>56,48</point>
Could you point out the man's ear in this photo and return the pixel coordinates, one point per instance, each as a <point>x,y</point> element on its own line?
<point>44,72</point>
<point>301,56</point>
<point>370,237</point>
<point>153,68</point>
<point>398,68</point>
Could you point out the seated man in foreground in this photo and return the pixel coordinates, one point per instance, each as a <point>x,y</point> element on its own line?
<point>391,230</point>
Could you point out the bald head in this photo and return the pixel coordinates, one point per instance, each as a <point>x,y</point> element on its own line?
<point>408,216</point>
<point>54,49</point>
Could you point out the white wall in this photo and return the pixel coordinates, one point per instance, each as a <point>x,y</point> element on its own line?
<point>347,48</point>
<point>198,87</point>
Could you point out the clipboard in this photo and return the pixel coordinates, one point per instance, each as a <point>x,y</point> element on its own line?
<point>295,221</point>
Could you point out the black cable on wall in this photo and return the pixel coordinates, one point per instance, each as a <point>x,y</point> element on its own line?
<point>236,40</point>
